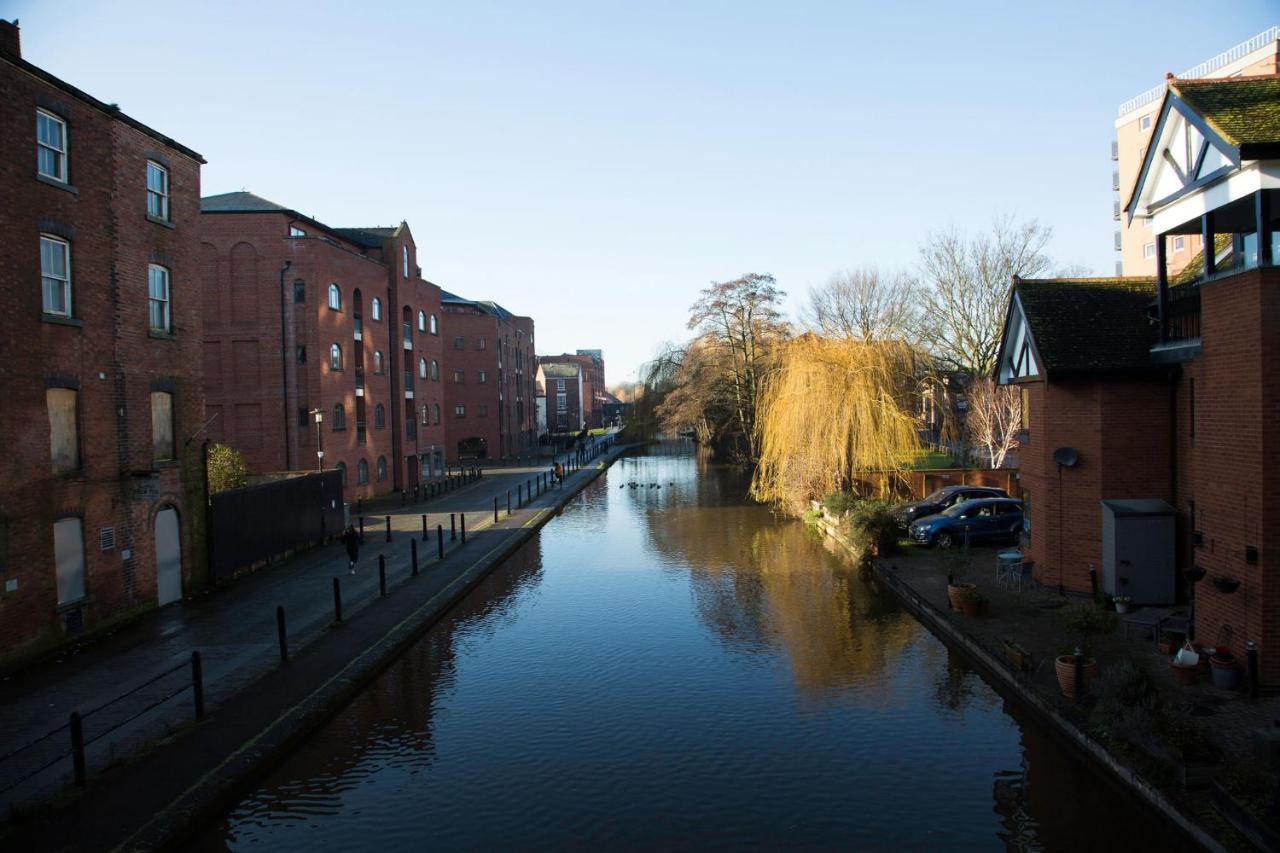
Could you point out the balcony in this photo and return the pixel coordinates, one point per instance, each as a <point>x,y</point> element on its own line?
<point>1119,244</point>
<point>1115,210</point>
<point>1115,150</point>
<point>1115,181</point>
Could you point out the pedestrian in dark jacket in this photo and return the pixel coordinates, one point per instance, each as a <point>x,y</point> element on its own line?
<point>351,539</point>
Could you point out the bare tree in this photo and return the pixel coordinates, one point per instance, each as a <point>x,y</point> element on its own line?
<point>994,418</point>
<point>967,281</point>
<point>862,304</point>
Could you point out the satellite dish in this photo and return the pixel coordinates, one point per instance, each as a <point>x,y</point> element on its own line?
<point>1066,456</point>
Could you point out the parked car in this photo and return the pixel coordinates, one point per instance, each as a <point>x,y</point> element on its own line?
<point>944,498</point>
<point>972,521</point>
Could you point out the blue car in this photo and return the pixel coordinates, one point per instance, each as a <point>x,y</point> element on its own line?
<point>970,522</point>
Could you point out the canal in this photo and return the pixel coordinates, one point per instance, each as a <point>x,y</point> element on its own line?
<point>669,665</point>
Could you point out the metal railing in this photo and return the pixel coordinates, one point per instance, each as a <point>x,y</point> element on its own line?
<point>1207,67</point>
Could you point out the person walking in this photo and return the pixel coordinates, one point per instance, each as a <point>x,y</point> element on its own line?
<point>351,539</point>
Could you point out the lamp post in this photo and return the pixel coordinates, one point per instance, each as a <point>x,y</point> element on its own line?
<point>319,416</point>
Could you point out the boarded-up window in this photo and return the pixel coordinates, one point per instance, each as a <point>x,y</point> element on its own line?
<point>68,559</point>
<point>64,436</point>
<point>162,426</point>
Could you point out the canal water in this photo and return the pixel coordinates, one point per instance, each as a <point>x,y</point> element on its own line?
<point>667,665</point>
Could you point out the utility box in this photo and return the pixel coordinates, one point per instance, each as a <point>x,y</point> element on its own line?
<point>1139,557</point>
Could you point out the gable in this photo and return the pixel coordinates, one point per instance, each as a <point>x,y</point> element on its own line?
<point>1185,153</point>
<point>1017,349</point>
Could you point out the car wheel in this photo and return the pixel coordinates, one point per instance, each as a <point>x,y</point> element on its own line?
<point>943,540</point>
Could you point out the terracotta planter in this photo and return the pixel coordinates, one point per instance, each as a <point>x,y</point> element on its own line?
<point>1167,649</point>
<point>954,591</point>
<point>1185,674</point>
<point>972,609</point>
<point>1065,666</point>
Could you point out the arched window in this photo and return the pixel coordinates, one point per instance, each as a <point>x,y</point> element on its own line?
<point>435,370</point>
<point>382,468</point>
<point>375,309</point>
<point>424,414</point>
<point>435,327</point>
<point>335,357</point>
<point>335,297</point>
<point>377,362</point>
<point>342,466</point>
<point>422,321</point>
<point>379,417</point>
<point>339,417</point>
<point>422,368</point>
<point>362,472</point>
<point>436,413</point>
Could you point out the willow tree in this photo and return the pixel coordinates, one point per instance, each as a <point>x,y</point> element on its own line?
<point>832,410</point>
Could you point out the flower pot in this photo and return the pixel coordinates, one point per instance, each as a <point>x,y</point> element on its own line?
<point>1065,666</point>
<point>1122,607</point>
<point>1226,674</point>
<point>954,590</point>
<point>1185,674</point>
<point>1226,585</point>
<point>972,609</point>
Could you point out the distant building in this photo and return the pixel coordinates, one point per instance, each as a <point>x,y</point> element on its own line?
<point>1135,241</point>
<point>102,478</point>
<point>490,406</point>
<point>565,398</point>
<point>591,363</point>
<point>303,319</point>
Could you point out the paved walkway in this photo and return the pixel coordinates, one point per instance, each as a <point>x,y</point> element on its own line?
<point>133,686</point>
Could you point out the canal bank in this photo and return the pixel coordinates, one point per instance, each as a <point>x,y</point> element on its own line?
<point>151,800</point>
<point>933,611</point>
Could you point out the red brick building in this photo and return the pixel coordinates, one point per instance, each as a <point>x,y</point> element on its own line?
<point>302,319</point>
<point>564,392</point>
<point>594,395</point>
<point>490,408</point>
<point>1168,389</point>
<point>102,480</point>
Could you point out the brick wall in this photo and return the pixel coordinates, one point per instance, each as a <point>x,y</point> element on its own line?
<point>501,410</point>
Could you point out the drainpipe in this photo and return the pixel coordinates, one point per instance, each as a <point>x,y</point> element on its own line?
<point>284,369</point>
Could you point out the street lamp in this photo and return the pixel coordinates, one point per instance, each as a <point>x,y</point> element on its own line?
<point>319,416</point>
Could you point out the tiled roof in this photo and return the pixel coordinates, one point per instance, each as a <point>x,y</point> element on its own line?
<point>370,238</point>
<point>565,370</point>
<point>1245,110</point>
<point>1089,325</point>
<point>240,202</point>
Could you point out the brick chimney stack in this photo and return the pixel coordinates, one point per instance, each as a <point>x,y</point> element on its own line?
<point>10,38</point>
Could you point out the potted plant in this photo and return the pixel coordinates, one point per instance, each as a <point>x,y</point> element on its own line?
<point>1083,622</point>
<point>1122,603</point>
<point>1225,584</point>
<point>972,602</point>
<point>955,564</point>
<point>1226,674</point>
<point>1169,642</point>
<point>873,520</point>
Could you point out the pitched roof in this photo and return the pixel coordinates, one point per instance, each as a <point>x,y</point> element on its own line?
<point>1243,110</point>
<point>240,202</point>
<point>566,370</point>
<point>1089,325</point>
<point>370,238</point>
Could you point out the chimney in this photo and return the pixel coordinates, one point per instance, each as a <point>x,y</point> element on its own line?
<point>10,38</point>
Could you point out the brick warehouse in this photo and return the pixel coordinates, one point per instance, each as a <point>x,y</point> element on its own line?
<point>302,318</point>
<point>1166,388</point>
<point>490,397</point>
<point>563,389</point>
<point>102,481</point>
<point>591,363</point>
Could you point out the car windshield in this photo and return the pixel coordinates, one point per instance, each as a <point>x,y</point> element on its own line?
<point>936,498</point>
<point>954,511</point>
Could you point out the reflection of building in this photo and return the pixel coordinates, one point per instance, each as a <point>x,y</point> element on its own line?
<point>1135,241</point>
<point>564,396</point>
<point>490,406</point>
<point>300,317</point>
<point>102,425</point>
<point>1165,388</point>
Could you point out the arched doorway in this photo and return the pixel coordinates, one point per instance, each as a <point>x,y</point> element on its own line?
<point>168,556</point>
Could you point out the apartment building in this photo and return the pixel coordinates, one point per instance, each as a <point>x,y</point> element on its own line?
<point>565,401</point>
<point>1135,240</point>
<point>102,480</point>
<point>489,384</point>
<point>321,346</point>
<point>591,365</point>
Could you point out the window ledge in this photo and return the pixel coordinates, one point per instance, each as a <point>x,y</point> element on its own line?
<point>59,320</point>
<point>158,221</point>
<point>54,182</point>
<point>161,336</point>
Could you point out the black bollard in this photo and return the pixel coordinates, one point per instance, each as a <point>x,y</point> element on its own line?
<point>1093,580</point>
<point>382,572</point>
<point>359,506</point>
<point>362,530</point>
<point>388,528</point>
<point>508,502</point>
<point>403,496</point>
<point>282,634</point>
<point>413,556</point>
<point>1079,667</point>
<point>337,601</point>
<point>1252,655</point>
<point>462,517</point>
<point>440,541</point>
<point>424,527</point>
<point>528,490</point>
<point>197,684</point>
<point>495,509</point>
<point>453,527</point>
<point>77,748</point>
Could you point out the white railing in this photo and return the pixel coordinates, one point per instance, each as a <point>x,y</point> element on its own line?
<point>1207,67</point>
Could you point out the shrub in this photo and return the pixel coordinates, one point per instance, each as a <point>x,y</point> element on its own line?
<point>226,469</point>
<point>873,521</point>
<point>1129,703</point>
<point>811,516</point>
<point>1084,621</point>
<point>838,503</point>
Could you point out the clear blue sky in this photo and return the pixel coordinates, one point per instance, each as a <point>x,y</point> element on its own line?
<point>594,164</point>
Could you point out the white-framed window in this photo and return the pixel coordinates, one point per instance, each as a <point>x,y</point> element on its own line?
<point>482,376</point>
<point>422,321</point>
<point>375,309</point>
<point>295,231</point>
<point>559,384</point>
<point>68,559</point>
<point>404,255</point>
<point>335,357</point>
<point>1149,250</point>
<point>335,297</point>
<point>1144,122</point>
<point>51,146</point>
<point>435,326</point>
<point>422,368</point>
<point>1179,243</point>
<point>158,298</point>
<point>562,402</point>
<point>157,190</point>
<point>459,411</point>
<point>55,275</point>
